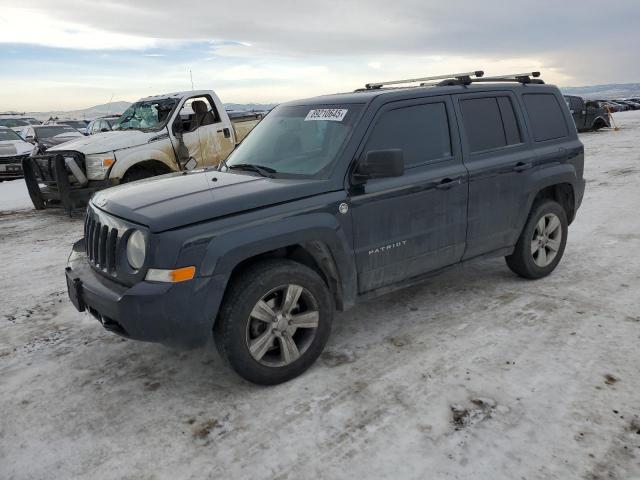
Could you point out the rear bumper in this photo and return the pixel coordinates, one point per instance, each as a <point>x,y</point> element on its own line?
<point>50,183</point>
<point>180,314</point>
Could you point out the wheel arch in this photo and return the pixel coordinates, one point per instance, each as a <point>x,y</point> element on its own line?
<point>599,122</point>
<point>314,254</point>
<point>562,193</point>
<point>156,166</point>
<point>128,158</point>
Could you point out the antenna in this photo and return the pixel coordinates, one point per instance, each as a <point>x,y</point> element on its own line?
<point>109,105</point>
<point>191,76</point>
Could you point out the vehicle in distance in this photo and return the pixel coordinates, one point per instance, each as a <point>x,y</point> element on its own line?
<point>328,202</point>
<point>17,122</point>
<point>47,136</point>
<point>80,125</point>
<point>587,114</point>
<point>155,135</point>
<point>12,150</point>
<point>102,124</point>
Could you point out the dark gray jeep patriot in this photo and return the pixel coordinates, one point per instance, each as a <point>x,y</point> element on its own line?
<point>328,202</point>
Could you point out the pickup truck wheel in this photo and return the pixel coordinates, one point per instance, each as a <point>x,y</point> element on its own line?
<point>541,244</point>
<point>275,321</point>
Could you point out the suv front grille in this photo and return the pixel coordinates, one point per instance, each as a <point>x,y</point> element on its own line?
<point>13,159</point>
<point>101,242</point>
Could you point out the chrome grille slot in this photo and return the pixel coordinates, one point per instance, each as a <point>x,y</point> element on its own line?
<point>100,242</point>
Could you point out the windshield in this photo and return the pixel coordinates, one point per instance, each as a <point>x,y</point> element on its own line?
<point>9,135</point>
<point>12,122</point>
<point>48,132</point>
<point>146,115</point>
<point>297,140</point>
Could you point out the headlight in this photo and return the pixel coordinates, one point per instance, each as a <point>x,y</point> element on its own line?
<point>98,165</point>
<point>136,250</point>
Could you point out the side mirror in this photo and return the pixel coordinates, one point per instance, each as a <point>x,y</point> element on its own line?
<point>380,164</point>
<point>30,138</point>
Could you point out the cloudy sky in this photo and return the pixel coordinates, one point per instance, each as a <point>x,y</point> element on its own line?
<point>68,54</point>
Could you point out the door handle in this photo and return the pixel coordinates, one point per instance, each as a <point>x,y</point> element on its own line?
<point>447,183</point>
<point>522,166</point>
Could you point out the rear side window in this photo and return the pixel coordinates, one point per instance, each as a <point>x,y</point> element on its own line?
<point>489,123</point>
<point>421,131</point>
<point>545,115</point>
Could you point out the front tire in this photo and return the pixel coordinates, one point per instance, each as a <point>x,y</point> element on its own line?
<point>541,243</point>
<point>275,321</point>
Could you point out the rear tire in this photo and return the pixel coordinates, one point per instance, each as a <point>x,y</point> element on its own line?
<point>274,322</point>
<point>542,241</point>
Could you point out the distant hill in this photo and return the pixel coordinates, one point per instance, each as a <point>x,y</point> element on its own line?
<point>85,113</point>
<point>120,106</point>
<point>605,92</point>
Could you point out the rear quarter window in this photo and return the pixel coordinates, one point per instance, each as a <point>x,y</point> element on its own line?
<point>545,116</point>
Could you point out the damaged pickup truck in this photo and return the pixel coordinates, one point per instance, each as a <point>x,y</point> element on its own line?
<point>155,135</point>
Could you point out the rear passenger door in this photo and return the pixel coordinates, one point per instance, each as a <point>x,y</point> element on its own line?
<point>499,163</point>
<point>405,226</point>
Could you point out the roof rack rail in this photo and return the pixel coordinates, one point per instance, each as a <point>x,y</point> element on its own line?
<point>458,77</point>
<point>529,77</point>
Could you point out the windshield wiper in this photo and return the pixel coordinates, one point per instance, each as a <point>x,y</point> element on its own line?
<point>262,170</point>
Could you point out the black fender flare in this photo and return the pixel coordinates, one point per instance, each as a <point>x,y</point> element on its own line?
<point>561,173</point>
<point>319,233</point>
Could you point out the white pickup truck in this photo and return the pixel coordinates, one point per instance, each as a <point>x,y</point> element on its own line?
<point>155,135</point>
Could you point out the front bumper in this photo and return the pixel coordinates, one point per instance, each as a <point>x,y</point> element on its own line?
<point>180,314</point>
<point>10,167</point>
<point>49,183</point>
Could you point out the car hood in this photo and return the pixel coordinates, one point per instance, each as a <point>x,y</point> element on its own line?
<point>10,148</point>
<point>107,141</point>
<point>179,199</point>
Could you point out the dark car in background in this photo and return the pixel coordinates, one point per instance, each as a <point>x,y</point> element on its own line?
<point>80,125</point>
<point>46,136</point>
<point>587,114</point>
<point>629,103</point>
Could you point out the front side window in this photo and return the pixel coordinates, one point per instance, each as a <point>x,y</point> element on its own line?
<point>146,115</point>
<point>545,115</point>
<point>489,123</point>
<point>420,131</point>
<point>197,112</point>
<point>299,140</point>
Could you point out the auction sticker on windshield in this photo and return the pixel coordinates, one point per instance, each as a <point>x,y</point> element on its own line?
<point>331,114</point>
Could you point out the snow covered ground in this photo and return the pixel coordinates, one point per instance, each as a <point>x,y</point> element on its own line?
<point>14,196</point>
<point>474,374</point>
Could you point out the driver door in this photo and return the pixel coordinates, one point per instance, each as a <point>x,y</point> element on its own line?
<point>205,137</point>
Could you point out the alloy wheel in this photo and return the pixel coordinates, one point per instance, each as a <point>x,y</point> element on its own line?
<point>282,325</point>
<point>546,241</point>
